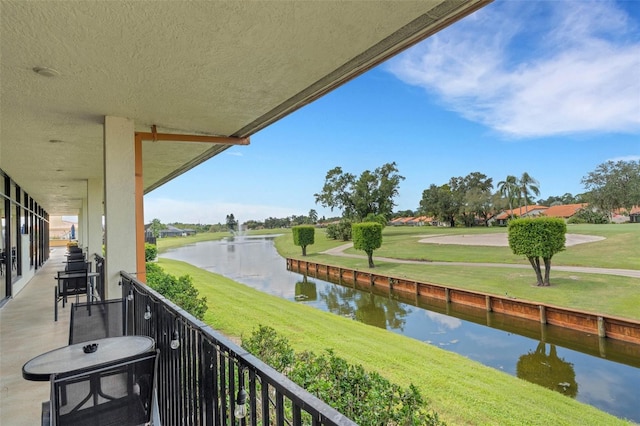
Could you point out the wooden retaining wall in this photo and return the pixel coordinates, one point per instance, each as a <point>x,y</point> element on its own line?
<point>587,322</point>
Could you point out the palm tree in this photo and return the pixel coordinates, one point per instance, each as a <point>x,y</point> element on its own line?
<point>509,188</point>
<point>528,186</point>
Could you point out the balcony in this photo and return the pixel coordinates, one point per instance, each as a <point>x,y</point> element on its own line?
<point>200,371</point>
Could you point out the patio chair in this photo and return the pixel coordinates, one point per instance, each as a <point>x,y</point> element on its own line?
<point>66,287</point>
<point>96,320</point>
<point>114,393</point>
<point>77,265</point>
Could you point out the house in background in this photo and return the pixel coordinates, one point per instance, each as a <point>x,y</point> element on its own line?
<point>415,221</point>
<point>623,215</point>
<point>565,211</point>
<point>169,231</point>
<point>525,211</point>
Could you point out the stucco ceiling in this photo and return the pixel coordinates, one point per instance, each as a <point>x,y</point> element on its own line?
<point>201,67</point>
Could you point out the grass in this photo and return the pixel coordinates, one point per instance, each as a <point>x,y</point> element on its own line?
<point>460,390</point>
<point>605,294</point>
<point>165,244</point>
<point>617,250</point>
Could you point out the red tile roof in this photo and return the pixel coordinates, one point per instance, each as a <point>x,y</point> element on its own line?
<point>564,210</point>
<point>519,211</point>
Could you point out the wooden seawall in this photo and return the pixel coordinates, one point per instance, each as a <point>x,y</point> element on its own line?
<point>591,323</point>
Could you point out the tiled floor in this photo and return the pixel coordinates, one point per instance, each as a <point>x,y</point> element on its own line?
<point>27,329</point>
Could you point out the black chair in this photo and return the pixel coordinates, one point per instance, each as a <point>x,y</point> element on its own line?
<point>114,393</point>
<point>78,265</point>
<point>73,286</point>
<point>75,249</point>
<point>97,320</point>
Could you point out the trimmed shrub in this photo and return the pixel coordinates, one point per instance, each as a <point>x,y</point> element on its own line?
<point>367,236</point>
<point>538,238</point>
<point>303,235</point>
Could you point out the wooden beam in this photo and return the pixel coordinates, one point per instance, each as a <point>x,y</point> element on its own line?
<point>139,196</point>
<point>224,140</point>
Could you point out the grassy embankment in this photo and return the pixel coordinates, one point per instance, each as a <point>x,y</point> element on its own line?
<point>460,390</point>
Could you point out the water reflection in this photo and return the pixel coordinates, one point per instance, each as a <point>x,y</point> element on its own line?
<point>365,307</point>
<point>548,370</point>
<point>306,290</point>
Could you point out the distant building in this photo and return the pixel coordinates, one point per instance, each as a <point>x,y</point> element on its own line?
<point>565,211</point>
<point>60,229</point>
<point>169,231</point>
<point>528,211</point>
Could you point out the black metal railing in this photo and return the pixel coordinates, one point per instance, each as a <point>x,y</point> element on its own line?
<point>201,371</point>
<point>99,283</point>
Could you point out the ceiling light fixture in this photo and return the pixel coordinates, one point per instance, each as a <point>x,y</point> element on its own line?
<point>46,71</point>
<point>55,141</point>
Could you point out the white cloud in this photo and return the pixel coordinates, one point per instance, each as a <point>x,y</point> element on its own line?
<point>209,212</point>
<point>234,153</point>
<point>625,158</point>
<point>534,69</point>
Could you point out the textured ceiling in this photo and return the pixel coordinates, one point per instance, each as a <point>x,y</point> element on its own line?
<point>200,67</point>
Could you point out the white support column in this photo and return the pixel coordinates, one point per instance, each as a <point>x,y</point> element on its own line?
<point>119,201</point>
<point>95,195</point>
<point>82,226</point>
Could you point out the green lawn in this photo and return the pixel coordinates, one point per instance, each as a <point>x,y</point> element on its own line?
<point>606,294</point>
<point>167,243</point>
<point>619,249</point>
<point>460,390</point>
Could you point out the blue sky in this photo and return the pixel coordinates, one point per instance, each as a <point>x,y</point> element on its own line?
<point>547,87</point>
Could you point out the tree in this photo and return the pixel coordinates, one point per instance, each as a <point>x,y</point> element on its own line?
<point>156,227</point>
<point>340,230</point>
<point>403,213</point>
<point>367,236</point>
<point>232,223</point>
<point>509,189</point>
<point>528,186</point>
<point>313,216</point>
<point>589,215</point>
<point>440,202</point>
<point>538,238</point>
<point>303,235</point>
<point>472,195</point>
<point>373,192</point>
<point>614,185</point>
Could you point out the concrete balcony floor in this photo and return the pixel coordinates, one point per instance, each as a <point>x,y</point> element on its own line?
<point>27,329</point>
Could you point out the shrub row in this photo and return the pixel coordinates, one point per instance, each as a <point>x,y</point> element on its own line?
<point>364,396</point>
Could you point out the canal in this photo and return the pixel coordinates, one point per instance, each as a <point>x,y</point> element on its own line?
<point>603,374</point>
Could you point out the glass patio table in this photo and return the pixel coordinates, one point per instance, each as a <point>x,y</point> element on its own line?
<point>73,357</point>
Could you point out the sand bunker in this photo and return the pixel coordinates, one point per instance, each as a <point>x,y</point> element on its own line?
<point>498,240</point>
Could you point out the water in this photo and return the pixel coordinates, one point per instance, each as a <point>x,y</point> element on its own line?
<point>569,362</point>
